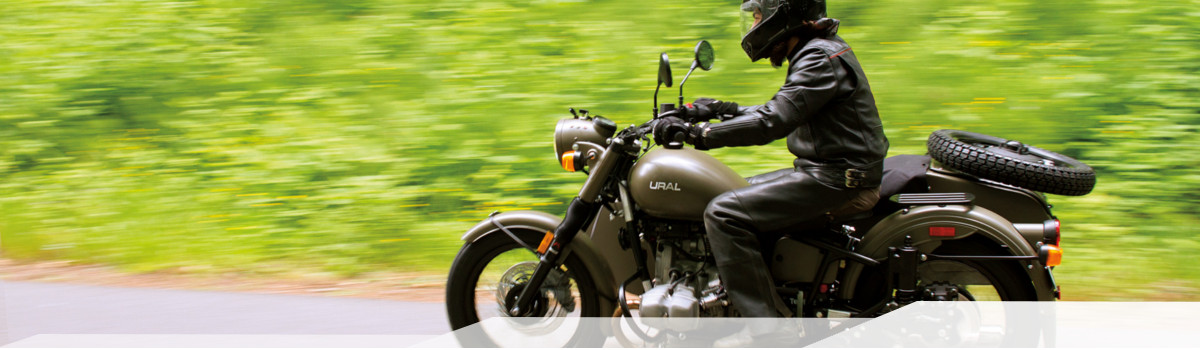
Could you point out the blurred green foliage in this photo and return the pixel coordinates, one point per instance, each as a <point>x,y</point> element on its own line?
<point>344,137</point>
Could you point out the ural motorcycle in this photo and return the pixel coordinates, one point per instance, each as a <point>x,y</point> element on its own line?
<point>967,222</point>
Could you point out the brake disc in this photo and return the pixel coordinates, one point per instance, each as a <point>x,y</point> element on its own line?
<point>556,288</point>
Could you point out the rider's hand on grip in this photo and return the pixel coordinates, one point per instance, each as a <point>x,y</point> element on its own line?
<point>666,126</point>
<point>671,128</point>
<point>705,109</point>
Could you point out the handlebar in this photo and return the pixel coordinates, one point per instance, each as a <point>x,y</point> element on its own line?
<point>647,129</point>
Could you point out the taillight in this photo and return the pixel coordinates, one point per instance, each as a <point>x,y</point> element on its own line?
<point>1052,232</point>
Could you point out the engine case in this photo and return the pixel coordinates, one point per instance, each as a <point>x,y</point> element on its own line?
<point>685,289</point>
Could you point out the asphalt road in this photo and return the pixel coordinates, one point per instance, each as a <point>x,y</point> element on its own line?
<point>66,315</point>
<point>38,309</point>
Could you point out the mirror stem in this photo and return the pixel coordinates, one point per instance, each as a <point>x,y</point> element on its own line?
<point>655,116</point>
<point>685,78</point>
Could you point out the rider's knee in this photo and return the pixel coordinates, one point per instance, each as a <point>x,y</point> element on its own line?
<point>721,206</point>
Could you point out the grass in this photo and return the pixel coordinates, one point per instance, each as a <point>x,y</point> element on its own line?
<point>286,135</point>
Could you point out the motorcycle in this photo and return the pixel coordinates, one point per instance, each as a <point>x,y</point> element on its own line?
<point>968,222</point>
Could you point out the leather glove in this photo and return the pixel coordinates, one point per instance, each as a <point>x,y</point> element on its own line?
<point>666,127</point>
<point>705,109</point>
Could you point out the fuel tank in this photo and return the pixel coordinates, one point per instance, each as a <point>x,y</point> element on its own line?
<point>679,183</point>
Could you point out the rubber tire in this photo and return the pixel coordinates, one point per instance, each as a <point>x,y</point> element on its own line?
<point>1018,288</point>
<point>869,288</point>
<point>1069,177</point>
<point>1019,333</point>
<point>474,257</point>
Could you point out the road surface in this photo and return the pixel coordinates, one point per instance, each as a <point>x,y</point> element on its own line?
<point>49,314</point>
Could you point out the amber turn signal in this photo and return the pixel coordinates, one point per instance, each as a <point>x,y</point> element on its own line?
<point>568,161</point>
<point>549,237</point>
<point>1050,255</point>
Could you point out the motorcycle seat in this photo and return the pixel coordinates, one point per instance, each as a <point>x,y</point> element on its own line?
<point>858,208</point>
<point>901,174</point>
<point>844,218</point>
<point>904,174</point>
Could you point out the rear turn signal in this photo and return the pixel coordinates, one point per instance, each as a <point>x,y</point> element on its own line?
<point>568,161</point>
<point>1050,255</point>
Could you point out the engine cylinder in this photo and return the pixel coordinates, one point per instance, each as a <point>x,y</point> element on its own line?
<point>684,309</point>
<point>654,306</point>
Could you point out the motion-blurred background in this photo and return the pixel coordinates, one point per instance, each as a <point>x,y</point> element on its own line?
<point>281,138</point>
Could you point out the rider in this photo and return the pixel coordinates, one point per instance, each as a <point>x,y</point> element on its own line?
<point>826,111</point>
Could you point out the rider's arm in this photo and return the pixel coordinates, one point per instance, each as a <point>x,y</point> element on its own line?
<point>811,82</point>
<point>742,110</point>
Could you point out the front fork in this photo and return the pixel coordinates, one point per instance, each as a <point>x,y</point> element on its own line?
<point>580,213</point>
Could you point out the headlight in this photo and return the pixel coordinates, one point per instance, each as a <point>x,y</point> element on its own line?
<point>572,130</point>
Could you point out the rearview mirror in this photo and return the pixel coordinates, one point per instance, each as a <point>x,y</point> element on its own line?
<point>664,70</point>
<point>704,59</point>
<point>704,55</point>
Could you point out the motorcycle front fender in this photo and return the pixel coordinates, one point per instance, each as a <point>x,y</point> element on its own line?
<point>581,246</point>
<point>965,221</point>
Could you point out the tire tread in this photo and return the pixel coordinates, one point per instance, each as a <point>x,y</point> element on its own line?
<point>944,146</point>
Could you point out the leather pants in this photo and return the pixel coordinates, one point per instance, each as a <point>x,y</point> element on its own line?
<point>742,222</point>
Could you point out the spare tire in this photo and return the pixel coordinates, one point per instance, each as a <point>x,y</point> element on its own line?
<point>1011,162</point>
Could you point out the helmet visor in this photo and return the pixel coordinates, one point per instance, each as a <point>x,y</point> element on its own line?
<point>751,15</point>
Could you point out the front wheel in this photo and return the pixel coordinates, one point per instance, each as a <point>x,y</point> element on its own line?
<point>489,274</point>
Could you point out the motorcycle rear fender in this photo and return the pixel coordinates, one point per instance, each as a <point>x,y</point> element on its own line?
<point>581,246</point>
<point>966,221</point>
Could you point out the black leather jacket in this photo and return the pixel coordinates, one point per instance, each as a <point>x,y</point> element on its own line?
<point>826,111</point>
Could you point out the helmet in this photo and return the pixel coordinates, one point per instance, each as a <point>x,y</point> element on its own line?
<point>779,20</point>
